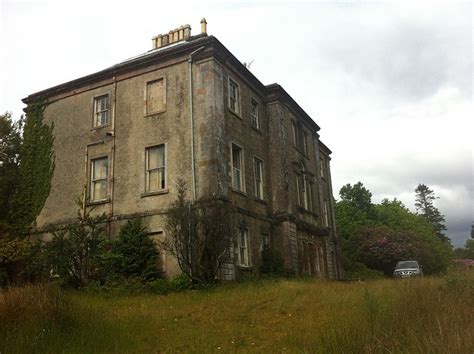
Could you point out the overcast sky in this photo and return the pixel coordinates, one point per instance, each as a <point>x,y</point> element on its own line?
<point>390,84</point>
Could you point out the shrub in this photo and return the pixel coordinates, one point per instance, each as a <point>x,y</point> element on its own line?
<point>134,253</point>
<point>177,284</point>
<point>357,270</point>
<point>74,255</point>
<point>272,263</point>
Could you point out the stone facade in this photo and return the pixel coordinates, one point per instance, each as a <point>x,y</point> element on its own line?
<point>209,107</point>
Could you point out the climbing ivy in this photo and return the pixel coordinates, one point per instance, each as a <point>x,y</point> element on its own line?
<point>36,165</point>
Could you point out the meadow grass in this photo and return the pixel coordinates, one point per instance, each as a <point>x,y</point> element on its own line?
<point>430,315</point>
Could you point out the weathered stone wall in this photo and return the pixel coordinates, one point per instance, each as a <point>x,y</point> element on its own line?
<point>216,128</point>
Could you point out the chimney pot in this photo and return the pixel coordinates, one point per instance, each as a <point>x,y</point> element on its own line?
<point>204,26</point>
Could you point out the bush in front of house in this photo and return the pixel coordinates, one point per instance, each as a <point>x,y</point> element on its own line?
<point>82,256</point>
<point>134,254</point>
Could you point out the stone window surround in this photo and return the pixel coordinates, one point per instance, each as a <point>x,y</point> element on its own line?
<point>258,123</point>
<point>165,190</point>
<point>246,263</point>
<point>92,181</point>
<point>242,167</point>
<point>262,177</point>
<point>145,96</point>
<point>95,99</point>
<point>238,110</point>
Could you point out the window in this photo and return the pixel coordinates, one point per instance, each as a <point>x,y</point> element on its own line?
<point>101,111</point>
<point>301,190</point>
<point>234,96</point>
<point>294,132</point>
<point>265,245</point>
<point>155,168</point>
<point>321,166</point>
<point>237,180</point>
<point>310,195</point>
<point>243,249</point>
<point>298,188</point>
<point>254,119</point>
<point>258,170</point>
<point>99,174</point>
<point>305,143</point>
<point>325,213</point>
<point>155,97</point>
<point>304,192</point>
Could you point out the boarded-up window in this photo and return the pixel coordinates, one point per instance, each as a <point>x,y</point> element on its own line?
<point>155,96</point>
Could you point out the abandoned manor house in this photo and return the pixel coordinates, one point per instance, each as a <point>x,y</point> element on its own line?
<point>189,109</point>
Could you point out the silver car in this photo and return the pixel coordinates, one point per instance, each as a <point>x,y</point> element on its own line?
<point>407,269</point>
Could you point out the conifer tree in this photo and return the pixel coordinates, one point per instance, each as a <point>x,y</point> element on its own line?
<point>424,204</point>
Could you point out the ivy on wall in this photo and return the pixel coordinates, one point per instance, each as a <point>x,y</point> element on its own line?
<point>36,165</point>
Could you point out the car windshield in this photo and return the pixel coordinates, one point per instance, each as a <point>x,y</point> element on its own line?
<point>407,264</point>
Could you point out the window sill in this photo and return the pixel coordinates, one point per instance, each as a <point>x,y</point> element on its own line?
<point>244,268</point>
<point>239,192</point>
<point>100,127</point>
<point>306,211</point>
<point>257,130</point>
<point>259,200</point>
<point>98,202</point>
<point>147,115</point>
<point>150,194</point>
<point>235,114</point>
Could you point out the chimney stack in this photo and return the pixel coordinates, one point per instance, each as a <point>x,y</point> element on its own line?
<point>203,26</point>
<point>176,35</point>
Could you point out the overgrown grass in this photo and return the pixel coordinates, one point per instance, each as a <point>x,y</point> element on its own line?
<point>430,315</point>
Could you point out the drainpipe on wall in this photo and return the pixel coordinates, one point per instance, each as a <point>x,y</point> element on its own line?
<point>112,160</point>
<point>191,110</point>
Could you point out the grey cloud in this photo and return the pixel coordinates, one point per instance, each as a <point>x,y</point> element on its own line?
<point>402,57</point>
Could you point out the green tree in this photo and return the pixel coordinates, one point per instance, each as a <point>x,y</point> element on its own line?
<point>396,216</point>
<point>358,196</point>
<point>10,147</point>
<point>467,252</point>
<point>36,167</point>
<point>135,253</point>
<point>75,254</point>
<point>399,230</point>
<point>424,204</point>
<point>354,210</point>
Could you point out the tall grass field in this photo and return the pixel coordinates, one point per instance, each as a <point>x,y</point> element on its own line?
<point>429,315</point>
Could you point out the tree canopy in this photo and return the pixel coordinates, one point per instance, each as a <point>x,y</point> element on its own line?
<point>10,146</point>
<point>424,204</point>
<point>379,235</point>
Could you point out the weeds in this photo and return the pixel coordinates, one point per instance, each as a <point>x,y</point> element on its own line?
<point>383,316</point>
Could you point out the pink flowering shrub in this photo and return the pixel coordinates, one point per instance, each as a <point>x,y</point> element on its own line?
<point>381,248</point>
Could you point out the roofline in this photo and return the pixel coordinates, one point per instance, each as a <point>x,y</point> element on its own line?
<point>324,146</point>
<point>214,48</point>
<point>277,92</point>
<point>120,68</point>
